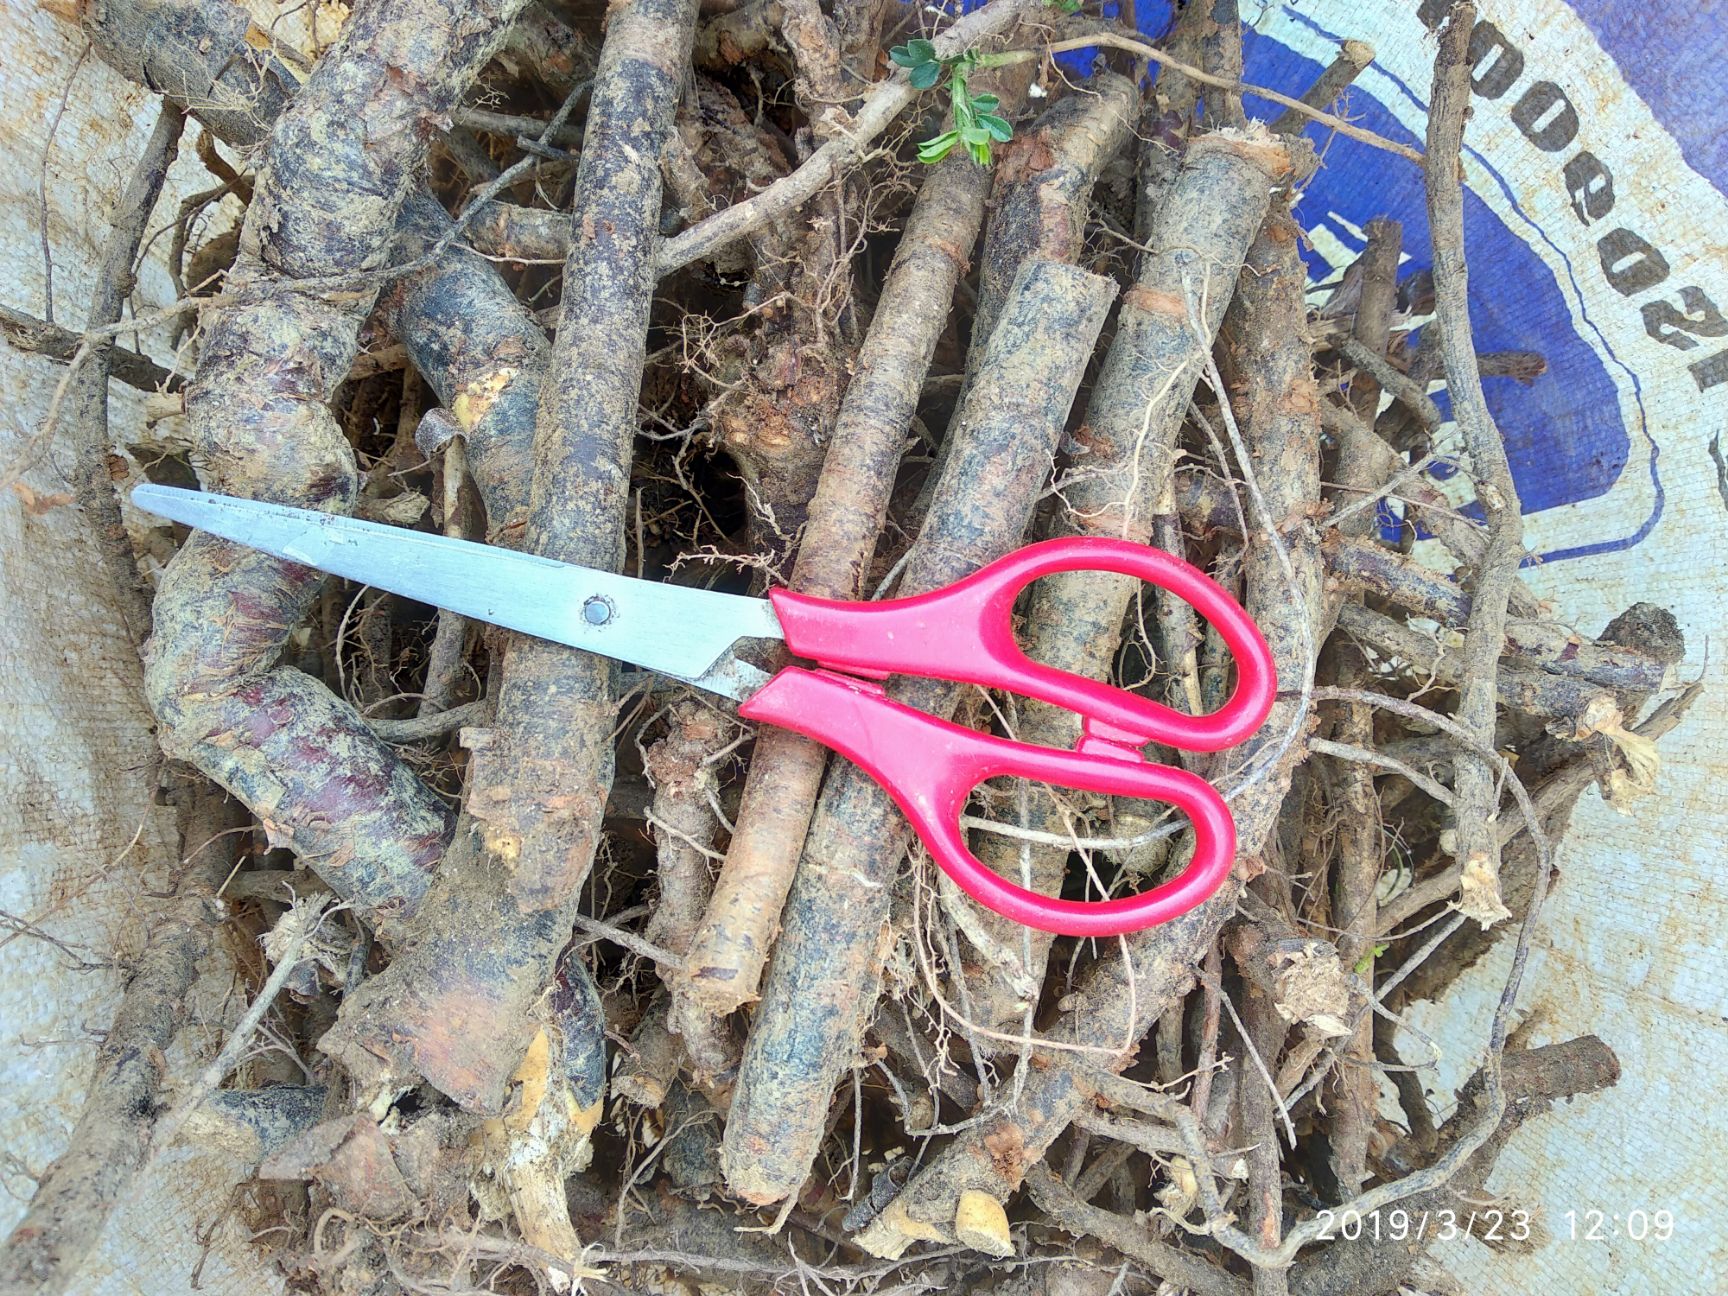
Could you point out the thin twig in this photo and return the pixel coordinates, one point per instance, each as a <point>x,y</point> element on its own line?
<point>1115,40</point>
<point>42,184</point>
<point>1474,782</point>
<point>628,940</point>
<point>1363,756</point>
<point>420,728</point>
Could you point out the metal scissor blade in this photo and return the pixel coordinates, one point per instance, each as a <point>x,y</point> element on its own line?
<point>680,632</point>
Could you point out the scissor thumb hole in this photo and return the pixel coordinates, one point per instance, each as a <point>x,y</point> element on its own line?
<point>995,874</point>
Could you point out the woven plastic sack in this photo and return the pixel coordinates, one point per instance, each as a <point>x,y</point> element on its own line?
<point>79,839</point>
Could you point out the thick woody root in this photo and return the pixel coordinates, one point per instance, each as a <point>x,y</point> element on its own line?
<point>682,816</point>
<point>543,47</point>
<point>1517,686</point>
<point>1119,997</point>
<point>455,1007</point>
<point>483,353</point>
<point>209,58</point>
<point>683,821</point>
<point>821,986</point>
<point>465,330</point>
<point>783,381</point>
<point>730,948</point>
<point>1040,210</point>
<point>989,1062</point>
<point>1040,201</point>
<point>1165,121</point>
<point>1120,483</point>
<point>326,204</point>
<point>1355,875</point>
<point>1262,1026</point>
<point>556,1098</point>
<point>1221,54</point>
<point>648,1065</point>
<point>1041,192</point>
<point>506,230</point>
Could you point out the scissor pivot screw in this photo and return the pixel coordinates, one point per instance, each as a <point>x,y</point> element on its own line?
<point>597,611</point>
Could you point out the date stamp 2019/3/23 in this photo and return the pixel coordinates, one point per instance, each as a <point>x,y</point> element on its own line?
<point>1495,1224</point>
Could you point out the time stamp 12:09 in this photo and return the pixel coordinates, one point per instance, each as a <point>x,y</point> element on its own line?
<point>1494,1224</point>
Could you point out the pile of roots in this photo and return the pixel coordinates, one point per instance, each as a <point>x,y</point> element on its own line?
<point>570,977</point>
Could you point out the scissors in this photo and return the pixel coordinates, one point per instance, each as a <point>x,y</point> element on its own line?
<point>961,633</point>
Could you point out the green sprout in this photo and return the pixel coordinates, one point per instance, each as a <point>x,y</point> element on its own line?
<point>1367,960</point>
<point>976,125</point>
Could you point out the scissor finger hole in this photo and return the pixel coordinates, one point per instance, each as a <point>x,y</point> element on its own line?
<point>1165,650</point>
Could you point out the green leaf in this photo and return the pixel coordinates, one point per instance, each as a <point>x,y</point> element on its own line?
<point>986,103</point>
<point>913,54</point>
<point>1367,960</point>
<point>974,135</point>
<point>998,127</point>
<point>925,75</point>
<point>937,148</point>
<point>980,152</point>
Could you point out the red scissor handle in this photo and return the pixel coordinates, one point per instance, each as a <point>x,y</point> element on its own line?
<point>930,767</point>
<point>965,632</point>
